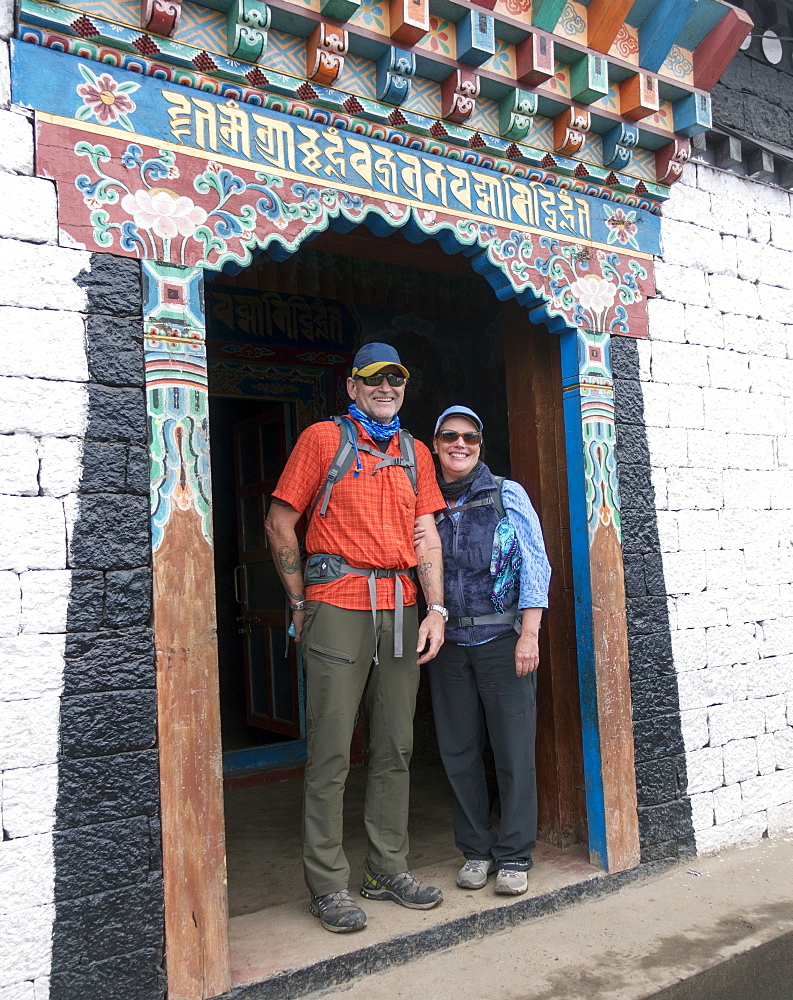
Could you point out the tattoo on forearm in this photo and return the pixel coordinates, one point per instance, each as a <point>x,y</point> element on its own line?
<point>293,596</point>
<point>425,574</point>
<point>289,559</point>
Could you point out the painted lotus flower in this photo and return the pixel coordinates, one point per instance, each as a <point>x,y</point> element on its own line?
<point>594,293</point>
<point>164,212</point>
<point>622,227</point>
<point>105,99</point>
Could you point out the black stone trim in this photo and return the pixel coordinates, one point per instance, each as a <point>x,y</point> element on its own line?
<point>108,935</point>
<point>408,947</point>
<point>665,827</point>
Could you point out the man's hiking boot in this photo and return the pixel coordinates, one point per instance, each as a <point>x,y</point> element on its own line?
<point>338,912</point>
<point>403,888</point>
<point>473,874</point>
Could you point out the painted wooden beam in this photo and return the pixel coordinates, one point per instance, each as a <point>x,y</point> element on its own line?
<point>459,92</point>
<point>535,60</point>
<point>639,96</point>
<point>715,51</point>
<point>660,30</point>
<point>691,114</point>
<point>589,79</point>
<point>476,38</point>
<point>342,10</point>
<point>545,14</point>
<point>618,146</point>
<point>516,114</point>
<point>247,22</point>
<point>160,16</point>
<point>604,20</point>
<point>410,20</point>
<point>670,160</point>
<point>569,130</point>
<point>188,705</point>
<point>393,76</point>
<point>326,48</point>
<point>598,573</point>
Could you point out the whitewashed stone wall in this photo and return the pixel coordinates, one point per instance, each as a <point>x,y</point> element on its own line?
<point>717,381</point>
<point>43,411</point>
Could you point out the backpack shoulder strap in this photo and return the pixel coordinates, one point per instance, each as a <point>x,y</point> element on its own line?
<point>342,461</point>
<point>498,499</point>
<point>407,448</point>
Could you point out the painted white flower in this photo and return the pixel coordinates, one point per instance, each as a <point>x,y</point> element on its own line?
<point>164,212</point>
<point>594,293</point>
<point>427,218</point>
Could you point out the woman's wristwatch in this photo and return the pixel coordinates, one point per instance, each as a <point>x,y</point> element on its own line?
<point>440,609</point>
<point>298,606</point>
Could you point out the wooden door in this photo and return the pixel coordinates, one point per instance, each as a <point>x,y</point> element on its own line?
<point>273,672</point>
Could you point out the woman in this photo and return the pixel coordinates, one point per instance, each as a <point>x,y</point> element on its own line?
<point>483,679</point>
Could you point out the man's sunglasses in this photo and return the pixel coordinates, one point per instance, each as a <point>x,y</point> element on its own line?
<point>470,437</point>
<point>393,380</point>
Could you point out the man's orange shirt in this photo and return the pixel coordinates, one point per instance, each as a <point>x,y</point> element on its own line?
<point>369,520</point>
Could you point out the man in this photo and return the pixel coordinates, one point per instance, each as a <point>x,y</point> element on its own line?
<point>353,618</point>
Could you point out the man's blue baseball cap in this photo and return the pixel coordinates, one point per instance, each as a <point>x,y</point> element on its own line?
<point>372,358</point>
<point>459,411</point>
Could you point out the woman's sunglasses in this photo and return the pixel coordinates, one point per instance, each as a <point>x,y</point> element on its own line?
<point>393,380</point>
<point>470,437</point>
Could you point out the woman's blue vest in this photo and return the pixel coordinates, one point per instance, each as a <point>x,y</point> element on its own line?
<point>467,550</point>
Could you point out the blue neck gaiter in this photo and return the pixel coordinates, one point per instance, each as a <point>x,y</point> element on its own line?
<point>372,427</point>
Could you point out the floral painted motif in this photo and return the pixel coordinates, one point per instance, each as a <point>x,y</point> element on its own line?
<point>594,294</point>
<point>439,36</point>
<point>105,99</point>
<point>501,60</point>
<point>164,212</point>
<point>621,226</point>
<point>559,81</point>
<point>371,14</point>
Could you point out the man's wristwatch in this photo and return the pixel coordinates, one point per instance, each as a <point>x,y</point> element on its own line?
<point>440,609</point>
<point>298,606</point>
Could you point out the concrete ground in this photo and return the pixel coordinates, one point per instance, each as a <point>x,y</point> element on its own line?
<point>718,928</point>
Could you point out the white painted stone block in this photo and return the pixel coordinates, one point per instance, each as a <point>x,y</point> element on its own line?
<point>690,245</point>
<point>729,256</point>
<point>774,303</point>
<point>731,644</point>
<point>752,604</point>
<point>41,988</point>
<point>740,527</point>
<point>61,465</point>
<point>21,991</point>
<point>758,262</point>
<point>42,343</point>
<point>780,820</point>
<point>775,713</point>
<point>769,564</point>
<point>740,760</point>
<point>736,722</point>
<point>701,610</point>
<point>667,320</point>
<point>766,791</point>
<point>658,482</point>
<point>32,666</point>
<point>781,489</point>
<point>724,568</point>
<point>707,449</point>
<point>684,572</point>
<point>685,405</point>
<point>755,336</point>
<point>770,676</point>
<point>656,404</point>
<point>26,945</point>
<point>727,804</point>
<point>747,489</point>
<point>786,600</point>
<point>10,604</point>
<point>701,811</point>
<point>6,18</point>
<point>771,375</point>
<point>732,295</point>
<point>728,369</point>
<point>5,76</point>
<point>776,637</point>
<point>34,535</point>
<point>29,733</point>
<point>783,748</point>
<point>16,143</point>
<point>688,649</point>
<point>698,529</point>
<point>766,753</point>
<point>668,446</point>
<point>30,795</point>
<point>704,326</point>
<point>731,218</point>
<point>750,451</point>
<point>40,406</point>
<point>682,284</point>
<point>644,349</point>
<point>667,531</point>
<point>744,412</point>
<point>740,833</point>
<point>694,728</point>
<point>26,876</point>
<point>53,270</point>
<point>19,464</point>
<point>45,600</point>
<point>704,769</point>
<point>680,364</point>
<point>686,202</point>
<point>711,686</point>
<point>759,227</point>
<point>28,209</point>
<point>782,231</point>
<point>694,489</point>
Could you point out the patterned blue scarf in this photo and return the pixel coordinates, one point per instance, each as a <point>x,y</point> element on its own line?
<point>372,427</point>
<point>505,563</point>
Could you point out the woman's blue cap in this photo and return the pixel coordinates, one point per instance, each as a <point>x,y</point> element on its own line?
<point>459,411</point>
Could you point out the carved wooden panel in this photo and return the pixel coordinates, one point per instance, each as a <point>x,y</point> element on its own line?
<point>568,130</point>
<point>160,16</point>
<point>326,47</point>
<point>670,160</point>
<point>459,92</point>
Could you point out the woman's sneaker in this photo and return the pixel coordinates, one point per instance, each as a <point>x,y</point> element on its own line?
<point>511,883</point>
<point>403,888</point>
<point>338,912</point>
<point>473,874</point>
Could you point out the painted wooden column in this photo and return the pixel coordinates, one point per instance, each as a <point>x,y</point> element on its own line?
<point>194,856</point>
<point>596,539</point>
